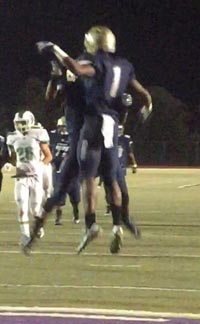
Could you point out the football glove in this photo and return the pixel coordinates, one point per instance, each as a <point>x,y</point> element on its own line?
<point>145,112</point>
<point>56,70</point>
<point>44,46</point>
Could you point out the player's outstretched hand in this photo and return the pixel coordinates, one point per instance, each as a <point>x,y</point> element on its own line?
<point>44,46</point>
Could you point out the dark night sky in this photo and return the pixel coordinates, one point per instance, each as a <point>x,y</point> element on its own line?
<point>160,37</point>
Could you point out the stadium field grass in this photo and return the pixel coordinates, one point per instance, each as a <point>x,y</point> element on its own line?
<point>160,272</point>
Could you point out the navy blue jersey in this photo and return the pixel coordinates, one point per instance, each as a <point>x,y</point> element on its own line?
<point>73,93</point>
<point>3,152</point>
<point>104,91</point>
<point>59,143</point>
<point>124,148</point>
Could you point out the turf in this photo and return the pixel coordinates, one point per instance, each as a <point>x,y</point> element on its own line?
<point>159,272</point>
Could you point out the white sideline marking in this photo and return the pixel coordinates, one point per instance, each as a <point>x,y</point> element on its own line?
<point>48,310</point>
<point>4,285</point>
<point>129,255</point>
<point>103,317</point>
<point>115,265</point>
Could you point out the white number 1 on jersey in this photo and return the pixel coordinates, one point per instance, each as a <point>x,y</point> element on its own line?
<point>116,80</point>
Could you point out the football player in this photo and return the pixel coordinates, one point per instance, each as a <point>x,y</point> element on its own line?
<point>47,168</point>
<point>3,157</point>
<point>25,146</point>
<point>104,83</point>
<point>59,141</point>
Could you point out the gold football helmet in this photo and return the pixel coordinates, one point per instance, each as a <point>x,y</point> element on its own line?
<point>61,126</point>
<point>99,37</point>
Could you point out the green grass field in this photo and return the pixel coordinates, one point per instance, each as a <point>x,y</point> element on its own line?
<point>160,272</point>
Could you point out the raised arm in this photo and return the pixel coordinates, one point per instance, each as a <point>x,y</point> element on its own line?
<point>67,61</point>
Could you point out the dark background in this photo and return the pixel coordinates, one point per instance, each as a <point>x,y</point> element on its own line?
<point>160,37</point>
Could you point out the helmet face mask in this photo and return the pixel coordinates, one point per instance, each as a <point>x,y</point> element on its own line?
<point>100,38</point>
<point>23,121</point>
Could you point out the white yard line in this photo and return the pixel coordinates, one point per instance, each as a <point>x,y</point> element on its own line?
<point>189,185</point>
<point>86,287</point>
<point>102,317</point>
<point>129,255</point>
<point>115,265</point>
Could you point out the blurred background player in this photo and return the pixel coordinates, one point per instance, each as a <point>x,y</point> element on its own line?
<point>3,157</point>
<point>25,146</point>
<point>59,139</point>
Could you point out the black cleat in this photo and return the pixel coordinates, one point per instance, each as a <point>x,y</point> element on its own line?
<point>58,221</point>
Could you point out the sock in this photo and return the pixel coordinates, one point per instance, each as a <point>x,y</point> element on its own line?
<point>75,211</point>
<point>25,229</point>
<point>90,219</point>
<point>58,213</point>
<point>116,214</point>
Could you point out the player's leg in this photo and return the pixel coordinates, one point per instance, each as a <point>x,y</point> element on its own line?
<point>47,181</point>
<point>89,155</point>
<point>1,179</point>
<point>36,201</point>
<point>74,197</point>
<point>130,224</point>
<point>56,184</point>
<point>107,199</point>
<point>21,193</point>
<point>110,164</point>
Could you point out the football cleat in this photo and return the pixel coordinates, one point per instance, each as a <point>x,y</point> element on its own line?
<point>26,245</point>
<point>58,221</point>
<point>133,229</point>
<point>76,220</point>
<point>40,233</point>
<point>90,234</point>
<point>134,168</point>
<point>116,242</point>
<point>107,212</point>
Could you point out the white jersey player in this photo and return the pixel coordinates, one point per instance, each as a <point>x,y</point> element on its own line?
<point>47,168</point>
<point>25,146</point>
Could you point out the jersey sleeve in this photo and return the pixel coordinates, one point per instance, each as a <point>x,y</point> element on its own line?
<point>10,139</point>
<point>44,136</point>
